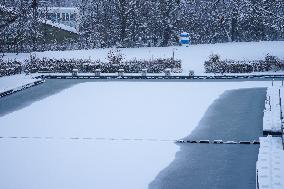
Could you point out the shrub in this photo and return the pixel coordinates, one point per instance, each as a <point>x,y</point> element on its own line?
<point>216,65</point>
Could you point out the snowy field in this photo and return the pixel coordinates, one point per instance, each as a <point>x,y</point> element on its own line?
<point>110,113</point>
<point>192,57</point>
<point>15,81</point>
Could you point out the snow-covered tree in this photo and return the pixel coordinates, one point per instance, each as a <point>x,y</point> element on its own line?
<point>132,23</point>
<point>20,25</point>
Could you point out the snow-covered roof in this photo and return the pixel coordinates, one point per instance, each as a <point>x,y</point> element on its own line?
<point>270,164</point>
<point>60,26</point>
<point>60,9</point>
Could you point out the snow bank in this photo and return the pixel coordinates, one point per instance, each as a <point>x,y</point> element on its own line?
<point>192,57</point>
<point>110,110</point>
<point>15,82</point>
<point>270,164</point>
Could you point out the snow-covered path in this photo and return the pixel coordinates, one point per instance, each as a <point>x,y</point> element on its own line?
<point>111,110</point>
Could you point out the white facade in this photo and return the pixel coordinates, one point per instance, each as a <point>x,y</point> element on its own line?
<point>63,15</point>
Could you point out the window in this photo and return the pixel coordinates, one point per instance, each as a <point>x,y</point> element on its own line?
<point>42,15</point>
<point>67,16</point>
<point>73,17</point>
<point>58,16</point>
<point>48,16</point>
<point>63,17</point>
<point>53,16</point>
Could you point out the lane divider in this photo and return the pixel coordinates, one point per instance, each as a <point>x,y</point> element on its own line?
<point>133,139</point>
<point>217,142</point>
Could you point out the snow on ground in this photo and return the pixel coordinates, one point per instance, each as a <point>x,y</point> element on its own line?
<point>192,57</point>
<point>117,110</point>
<point>270,164</point>
<point>15,81</point>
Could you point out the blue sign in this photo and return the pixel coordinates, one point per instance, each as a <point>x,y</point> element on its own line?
<point>184,39</point>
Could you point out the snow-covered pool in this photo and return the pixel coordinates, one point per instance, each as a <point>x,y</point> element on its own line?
<point>102,111</point>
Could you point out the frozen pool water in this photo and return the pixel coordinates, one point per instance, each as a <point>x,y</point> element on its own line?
<point>116,110</point>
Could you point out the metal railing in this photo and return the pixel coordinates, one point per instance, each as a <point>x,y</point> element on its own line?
<point>163,77</point>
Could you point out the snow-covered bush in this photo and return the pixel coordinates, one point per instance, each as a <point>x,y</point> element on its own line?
<point>88,66</point>
<point>273,62</point>
<point>115,56</point>
<point>216,65</point>
<point>10,67</point>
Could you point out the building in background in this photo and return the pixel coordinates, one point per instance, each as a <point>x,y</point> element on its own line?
<point>62,15</point>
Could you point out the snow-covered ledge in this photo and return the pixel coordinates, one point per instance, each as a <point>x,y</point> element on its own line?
<point>16,82</point>
<point>270,164</point>
<point>272,112</point>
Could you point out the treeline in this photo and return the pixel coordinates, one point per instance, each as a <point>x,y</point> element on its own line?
<point>216,65</point>
<point>131,23</point>
<point>135,23</point>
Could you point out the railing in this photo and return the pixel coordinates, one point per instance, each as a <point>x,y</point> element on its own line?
<point>163,77</point>
<point>282,137</point>
<point>281,117</point>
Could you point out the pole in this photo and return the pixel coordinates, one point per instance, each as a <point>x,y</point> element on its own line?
<point>282,135</point>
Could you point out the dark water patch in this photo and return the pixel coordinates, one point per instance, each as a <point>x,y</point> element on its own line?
<point>209,166</point>
<point>236,115</point>
<point>26,97</point>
